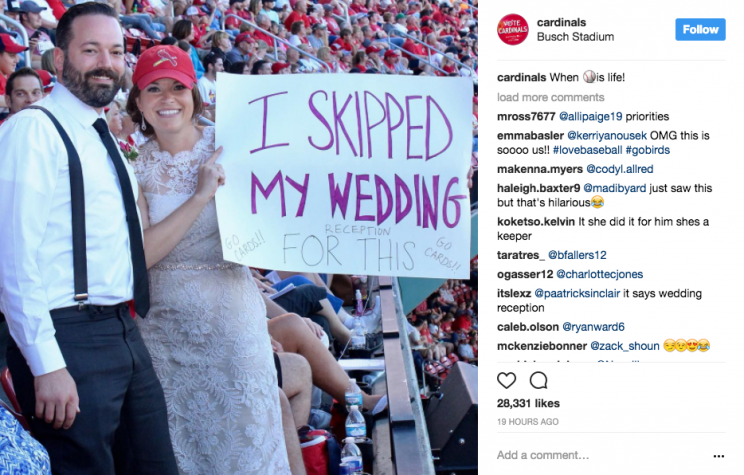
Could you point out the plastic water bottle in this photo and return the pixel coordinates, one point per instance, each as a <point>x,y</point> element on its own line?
<point>358,335</point>
<point>355,425</point>
<point>351,455</point>
<point>353,394</point>
<point>359,303</point>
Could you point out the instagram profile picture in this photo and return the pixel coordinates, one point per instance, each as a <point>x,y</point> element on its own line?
<point>513,29</point>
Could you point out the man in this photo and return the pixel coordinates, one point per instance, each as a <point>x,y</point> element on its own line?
<point>319,38</point>
<point>400,24</point>
<point>81,372</point>
<point>24,87</point>
<point>31,20</point>
<point>244,47</point>
<point>268,10</point>
<point>213,64</point>
<point>293,57</point>
<point>391,64</point>
<point>373,57</point>
<point>299,14</point>
<point>329,21</point>
<point>237,8</point>
<point>199,26</point>
<point>8,61</point>
<point>432,43</point>
<point>344,40</point>
<point>265,24</point>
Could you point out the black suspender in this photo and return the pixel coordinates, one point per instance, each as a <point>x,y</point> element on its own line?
<point>77,201</point>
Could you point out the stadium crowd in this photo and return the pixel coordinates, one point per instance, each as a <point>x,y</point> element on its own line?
<point>443,329</point>
<point>266,37</point>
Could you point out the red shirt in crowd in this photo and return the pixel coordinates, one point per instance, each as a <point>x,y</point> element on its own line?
<point>296,16</point>
<point>426,334</point>
<point>413,47</point>
<point>260,35</point>
<point>199,31</point>
<point>332,25</point>
<point>234,23</point>
<point>344,44</point>
<point>58,9</point>
<point>463,322</point>
<point>356,9</point>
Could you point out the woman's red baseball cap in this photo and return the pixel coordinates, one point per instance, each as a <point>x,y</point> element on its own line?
<point>164,61</point>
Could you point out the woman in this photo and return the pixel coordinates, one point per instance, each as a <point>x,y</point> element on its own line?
<point>183,30</point>
<point>357,38</point>
<point>359,60</point>
<point>221,43</point>
<point>324,54</point>
<point>206,330</point>
<point>47,62</point>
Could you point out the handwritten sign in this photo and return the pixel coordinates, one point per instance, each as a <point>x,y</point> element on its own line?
<point>352,174</point>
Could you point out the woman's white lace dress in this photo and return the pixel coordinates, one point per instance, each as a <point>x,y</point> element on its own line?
<point>207,335</point>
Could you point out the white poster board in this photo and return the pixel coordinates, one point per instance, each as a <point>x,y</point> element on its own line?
<point>346,173</point>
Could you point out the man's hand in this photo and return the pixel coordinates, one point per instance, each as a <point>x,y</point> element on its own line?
<point>57,399</point>
<point>314,327</point>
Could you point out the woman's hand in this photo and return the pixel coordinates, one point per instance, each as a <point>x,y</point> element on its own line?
<point>315,328</point>
<point>276,346</point>
<point>211,176</point>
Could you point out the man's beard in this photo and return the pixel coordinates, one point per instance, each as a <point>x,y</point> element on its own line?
<point>92,94</point>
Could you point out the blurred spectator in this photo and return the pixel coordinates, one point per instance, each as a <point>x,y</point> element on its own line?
<point>8,60</point>
<point>23,88</point>
<point>265,24</point>
<point>391,63</point>
<point>465,350</point>
<point>47,62</point>
<point>237,8</point>
<point>465,72</point>
<point>244,47</point>
<point>281,68</point>
<point>359,60</point>
<point>199,21</point>
<point>268,10</point>
<point>184,30</point>
<point>213,64</point>
<point>344,40</point>
<point>324,54</point>
<point>400,24</point>
<point>329,21</point>
<point>221,43</point>
<point>261,68</point>
<point>373,58</point>
<point>298,34</point>
<point>39,39</point>
<point>308,65</point>
<point>240,68</point>
<point>298,14</point>
<point>319,38</point>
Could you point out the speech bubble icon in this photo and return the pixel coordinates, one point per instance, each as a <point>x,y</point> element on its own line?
<point>538,380</point>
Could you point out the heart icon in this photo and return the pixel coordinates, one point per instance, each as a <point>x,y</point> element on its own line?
<point>507,379</point>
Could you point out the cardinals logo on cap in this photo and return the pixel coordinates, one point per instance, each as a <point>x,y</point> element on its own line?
<point>165,56</point>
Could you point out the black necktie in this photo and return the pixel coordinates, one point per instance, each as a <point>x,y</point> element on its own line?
<point>141,285</point>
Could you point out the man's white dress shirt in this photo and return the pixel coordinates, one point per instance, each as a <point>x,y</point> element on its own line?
<point>36,271</point>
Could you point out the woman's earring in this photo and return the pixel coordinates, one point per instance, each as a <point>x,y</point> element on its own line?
<point>143,123</point>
